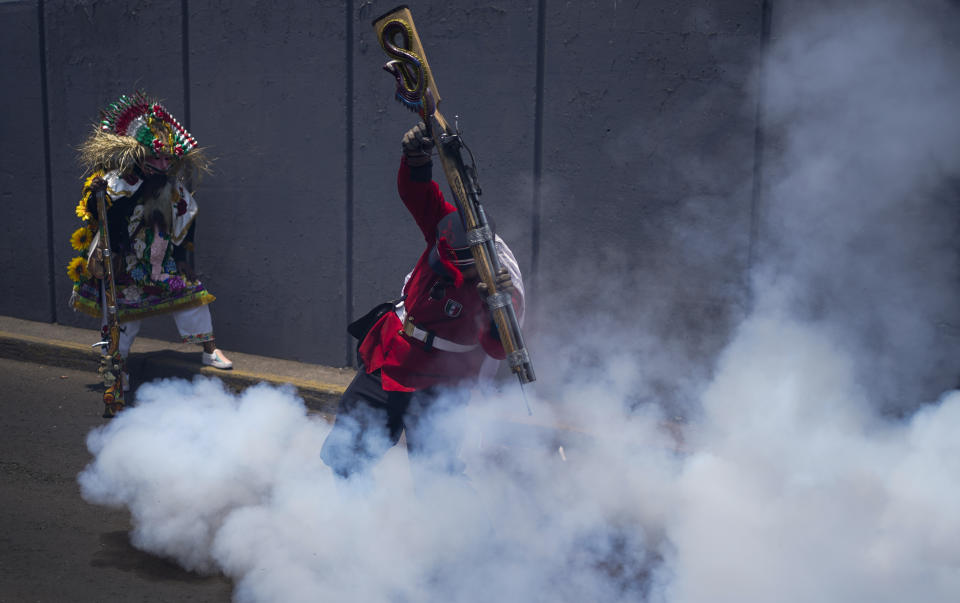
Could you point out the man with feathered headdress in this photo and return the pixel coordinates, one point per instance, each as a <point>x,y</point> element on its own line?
<point>141,157</point>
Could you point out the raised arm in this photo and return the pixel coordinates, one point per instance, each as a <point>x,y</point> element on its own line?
<point>420,194</point>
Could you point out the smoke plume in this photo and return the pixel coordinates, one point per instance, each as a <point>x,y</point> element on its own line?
<point>821,465</point>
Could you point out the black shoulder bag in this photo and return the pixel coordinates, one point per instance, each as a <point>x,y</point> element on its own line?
<point>361,326</point>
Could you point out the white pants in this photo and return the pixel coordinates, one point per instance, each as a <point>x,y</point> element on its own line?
<point>194,324</point>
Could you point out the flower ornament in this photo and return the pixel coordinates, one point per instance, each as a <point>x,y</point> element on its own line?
<point>81,210</point>
<point>77,269</point>
<point>131,294</point>
<point>176,283</point>
<point>81,238</point>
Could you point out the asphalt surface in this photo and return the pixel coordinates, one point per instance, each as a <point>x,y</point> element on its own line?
<point>55,547</point>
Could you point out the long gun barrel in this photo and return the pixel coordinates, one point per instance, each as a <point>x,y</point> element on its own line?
<point>111,363</point>
<point>417,90</point>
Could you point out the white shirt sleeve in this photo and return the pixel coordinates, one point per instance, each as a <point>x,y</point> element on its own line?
<point>490,365</point>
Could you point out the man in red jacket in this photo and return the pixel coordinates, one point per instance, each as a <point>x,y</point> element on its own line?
<point>419,361</point>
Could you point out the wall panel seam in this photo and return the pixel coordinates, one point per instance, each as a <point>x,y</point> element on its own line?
<point>185,50</point>
<point>759,140</point>
<point>537,149</point>
<point>348,209</point>
<point>48,176</point>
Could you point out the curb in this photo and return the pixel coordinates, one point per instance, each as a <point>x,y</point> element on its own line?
<point>319,396</point>
<point>69,347</point>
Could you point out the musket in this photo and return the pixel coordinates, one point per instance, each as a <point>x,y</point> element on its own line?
<point>111,361</point>
<point>417,90</point>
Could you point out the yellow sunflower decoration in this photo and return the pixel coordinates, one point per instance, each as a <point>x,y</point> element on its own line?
<point>82,212</point>
<point>77,269</point>
<point>81,238</point>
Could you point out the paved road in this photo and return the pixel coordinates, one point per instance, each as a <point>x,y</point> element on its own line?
<point>54,547</point>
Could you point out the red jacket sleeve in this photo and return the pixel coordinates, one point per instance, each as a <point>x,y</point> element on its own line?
<point>490,342</point>
<point>423,200</point>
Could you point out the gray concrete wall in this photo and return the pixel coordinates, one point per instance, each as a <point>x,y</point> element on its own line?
<point>644,209</point>
<point>605,131</point>
<point>267,89</point>
<point>24,239</point>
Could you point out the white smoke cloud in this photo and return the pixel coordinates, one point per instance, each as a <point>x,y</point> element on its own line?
<point>790,488</point>
<point>862,184</point>
<point>799,491</point>
<point>787,486</point>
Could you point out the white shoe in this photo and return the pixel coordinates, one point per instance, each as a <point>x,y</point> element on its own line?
<point>217,360</point>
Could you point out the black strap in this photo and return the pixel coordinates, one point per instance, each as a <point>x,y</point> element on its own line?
<point>429,342</point>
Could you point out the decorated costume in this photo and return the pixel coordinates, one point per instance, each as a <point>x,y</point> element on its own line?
<point>144,156</point>
<point>149,281</point>
<point>419,360</point>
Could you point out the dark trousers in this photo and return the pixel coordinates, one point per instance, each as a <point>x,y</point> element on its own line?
<point>370,420</point>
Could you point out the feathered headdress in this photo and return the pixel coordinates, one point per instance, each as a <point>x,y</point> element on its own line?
<point>135,128</point>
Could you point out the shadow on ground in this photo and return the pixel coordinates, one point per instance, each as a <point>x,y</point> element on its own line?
<point>117,552</point>
<point>163,364</point>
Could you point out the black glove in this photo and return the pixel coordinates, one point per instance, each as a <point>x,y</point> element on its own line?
<point>504,284</point>
<point>417,145</point>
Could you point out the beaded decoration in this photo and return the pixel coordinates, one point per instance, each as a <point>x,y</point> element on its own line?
<point>149,123</point>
